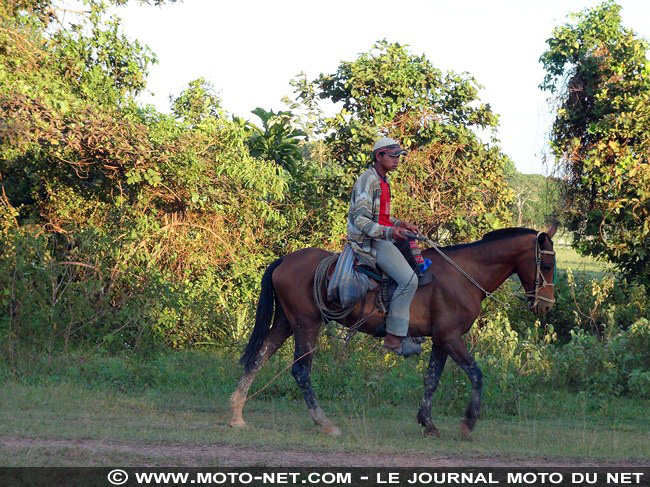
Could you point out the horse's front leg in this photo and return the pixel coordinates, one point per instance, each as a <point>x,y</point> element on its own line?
<point>431,379</point>
<point>458,351</point>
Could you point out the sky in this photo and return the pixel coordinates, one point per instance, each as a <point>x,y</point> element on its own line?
<point>250,50</point>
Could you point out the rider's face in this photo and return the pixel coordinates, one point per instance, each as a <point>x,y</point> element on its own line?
<point>388,161</point>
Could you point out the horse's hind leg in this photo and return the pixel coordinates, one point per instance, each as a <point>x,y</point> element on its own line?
<point>279,332</point>
<point>465,361</point>
<point>305,337</point>
<point>431,380</point>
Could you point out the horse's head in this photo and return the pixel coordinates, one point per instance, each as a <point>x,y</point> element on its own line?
<point>536,270</point>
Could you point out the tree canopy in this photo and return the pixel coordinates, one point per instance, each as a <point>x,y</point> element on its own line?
<point>161,221</point>
<point>600,72</point>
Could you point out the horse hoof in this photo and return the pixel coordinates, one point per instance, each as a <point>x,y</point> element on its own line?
<point>465,431</point>
<point>331,431</point>
<point>238,424</point>
<point>432,432</point>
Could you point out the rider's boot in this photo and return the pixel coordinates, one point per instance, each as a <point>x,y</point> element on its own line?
<point>424,278</point>
<point>404,346</point>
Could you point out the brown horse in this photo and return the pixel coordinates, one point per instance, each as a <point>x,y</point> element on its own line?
<point>443,310</point>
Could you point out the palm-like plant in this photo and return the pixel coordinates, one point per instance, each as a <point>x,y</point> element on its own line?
<point>277,140</point>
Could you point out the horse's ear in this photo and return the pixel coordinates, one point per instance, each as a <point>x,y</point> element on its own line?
<point>552,229</point>
<point>541,238</point>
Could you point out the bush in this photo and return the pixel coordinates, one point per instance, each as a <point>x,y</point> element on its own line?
<point>612,365</point>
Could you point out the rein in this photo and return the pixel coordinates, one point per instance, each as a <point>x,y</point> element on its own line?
<point>462,271</point>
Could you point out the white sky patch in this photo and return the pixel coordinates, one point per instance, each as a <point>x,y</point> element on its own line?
<point>250,50</point>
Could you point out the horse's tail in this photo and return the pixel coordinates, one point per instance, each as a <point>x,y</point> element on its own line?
<point>263,317</point>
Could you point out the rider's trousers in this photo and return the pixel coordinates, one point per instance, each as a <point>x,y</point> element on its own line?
<point>393,263</point>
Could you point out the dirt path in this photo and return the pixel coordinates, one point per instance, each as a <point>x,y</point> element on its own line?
<point>195,455</point>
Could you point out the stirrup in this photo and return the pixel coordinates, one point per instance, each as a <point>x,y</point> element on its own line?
<point>406,348</point>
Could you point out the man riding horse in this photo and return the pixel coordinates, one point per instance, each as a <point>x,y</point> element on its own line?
<point>443,310</point>
<point>371,232</point>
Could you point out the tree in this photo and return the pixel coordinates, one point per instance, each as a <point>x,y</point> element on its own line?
<point>197,104</point>
<point>277,140</point>
<point>118,222</point>
<point>452,182</point>
<point>600,73</point>
<point>537,198</point>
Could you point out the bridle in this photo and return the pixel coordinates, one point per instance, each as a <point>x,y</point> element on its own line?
<point>540,280</point>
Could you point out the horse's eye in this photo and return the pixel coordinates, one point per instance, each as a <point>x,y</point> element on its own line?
<point>546,267</point>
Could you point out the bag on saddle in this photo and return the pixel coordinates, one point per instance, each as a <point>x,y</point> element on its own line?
<point>347,286</point>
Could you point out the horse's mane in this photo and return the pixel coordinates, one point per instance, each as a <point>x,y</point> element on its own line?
<point>506,232</point>
<point>495,235</point>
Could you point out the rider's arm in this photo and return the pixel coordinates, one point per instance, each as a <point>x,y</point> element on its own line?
<point>363,221</point>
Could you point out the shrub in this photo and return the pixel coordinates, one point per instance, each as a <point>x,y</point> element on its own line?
<point>612,365</point>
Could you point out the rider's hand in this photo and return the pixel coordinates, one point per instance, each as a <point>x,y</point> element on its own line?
<point>410,227</point>
<point>399,233</point>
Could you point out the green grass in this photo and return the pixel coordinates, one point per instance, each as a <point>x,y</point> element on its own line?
<point>568,258</point>
<point>182,398</point>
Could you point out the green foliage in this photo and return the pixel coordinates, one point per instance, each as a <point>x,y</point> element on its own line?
<point>598,305</point>
<point>601,73</point>
<point>613,366</point>
<point>508,353</point>
<point>598,356</point>
<point>122,228</point>
<point>277,140</point>
<point>198,104</point>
